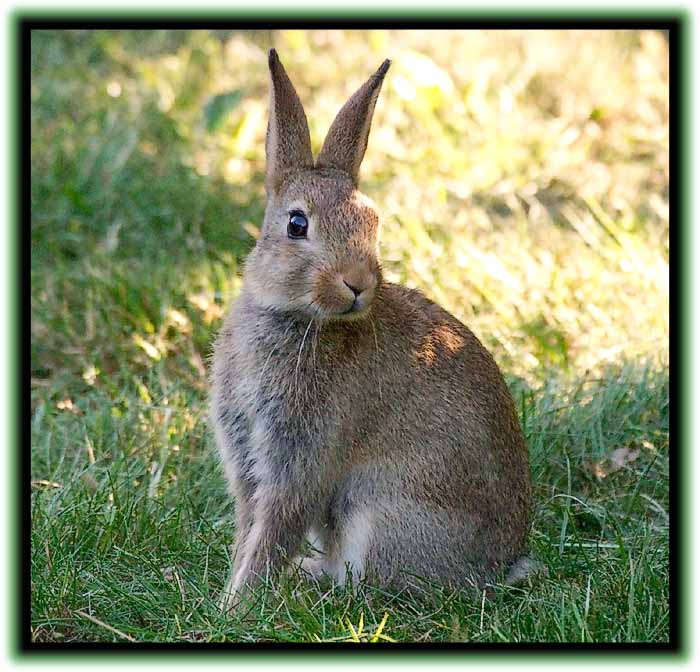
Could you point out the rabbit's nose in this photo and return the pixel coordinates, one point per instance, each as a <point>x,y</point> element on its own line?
<point>354,290</point>
<point>358,280</point>
<point>361,284</point>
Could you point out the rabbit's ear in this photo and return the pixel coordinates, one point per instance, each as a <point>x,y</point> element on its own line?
<point>346,141</point>
<point>288,143</point>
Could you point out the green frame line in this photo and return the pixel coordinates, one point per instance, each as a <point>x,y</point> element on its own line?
<point>504,13</point>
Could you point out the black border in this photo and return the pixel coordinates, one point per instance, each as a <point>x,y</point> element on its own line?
<point>676,23</point>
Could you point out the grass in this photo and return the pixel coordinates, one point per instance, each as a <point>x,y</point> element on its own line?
<point>519,188</point>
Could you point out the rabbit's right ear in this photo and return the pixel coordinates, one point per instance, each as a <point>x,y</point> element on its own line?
<point>288,143</point>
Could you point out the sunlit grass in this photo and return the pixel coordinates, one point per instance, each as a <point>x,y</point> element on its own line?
<point>522,179</point>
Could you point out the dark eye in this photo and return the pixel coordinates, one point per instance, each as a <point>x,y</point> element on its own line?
<point>298,224</point>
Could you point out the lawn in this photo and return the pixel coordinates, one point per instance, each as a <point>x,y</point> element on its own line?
<point>523,183</point>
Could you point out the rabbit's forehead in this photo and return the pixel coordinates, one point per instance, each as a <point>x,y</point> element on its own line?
<point>322,196</point>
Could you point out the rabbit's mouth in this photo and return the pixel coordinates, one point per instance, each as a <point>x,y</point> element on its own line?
<point>359,306</point>
<point>358,309</point>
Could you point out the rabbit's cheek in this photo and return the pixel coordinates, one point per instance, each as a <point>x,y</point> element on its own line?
<point>325,293</point>
<point>330,296</point>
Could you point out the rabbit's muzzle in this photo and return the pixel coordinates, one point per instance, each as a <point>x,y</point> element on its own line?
<point>362,295</point>
<point>349,293</point>
<point>357,291</point>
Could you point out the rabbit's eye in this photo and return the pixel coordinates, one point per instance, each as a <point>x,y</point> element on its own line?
<point>298,224</point>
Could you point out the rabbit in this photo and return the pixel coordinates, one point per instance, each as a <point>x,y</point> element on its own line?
<point>349,412</point>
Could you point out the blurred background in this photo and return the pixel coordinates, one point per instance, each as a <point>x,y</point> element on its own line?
<point>522,178</point>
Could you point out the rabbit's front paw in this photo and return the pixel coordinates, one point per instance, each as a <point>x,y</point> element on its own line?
<point>231,597</point>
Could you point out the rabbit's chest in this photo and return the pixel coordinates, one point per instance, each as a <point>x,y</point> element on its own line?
<point>283,376</point>
<point>280,390</point>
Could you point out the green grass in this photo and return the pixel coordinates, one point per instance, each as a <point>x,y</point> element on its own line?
<point>520,188</point>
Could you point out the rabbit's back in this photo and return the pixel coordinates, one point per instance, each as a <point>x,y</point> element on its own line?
<point>446,433</point>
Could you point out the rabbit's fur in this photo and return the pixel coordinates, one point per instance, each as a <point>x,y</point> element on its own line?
<point>378,426</point>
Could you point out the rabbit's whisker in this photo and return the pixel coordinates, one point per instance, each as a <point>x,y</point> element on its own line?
<point>301,347</point>
<point>317,338</point>
<point>379,356</point>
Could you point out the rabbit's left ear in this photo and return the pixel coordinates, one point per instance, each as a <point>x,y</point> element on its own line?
<point>346,141</point>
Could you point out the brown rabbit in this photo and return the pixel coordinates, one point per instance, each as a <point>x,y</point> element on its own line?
<point>351,411</point>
